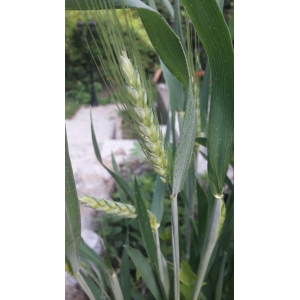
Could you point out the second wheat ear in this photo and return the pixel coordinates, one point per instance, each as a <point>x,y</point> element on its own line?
<point>146,124</point>
<point>114,208</point>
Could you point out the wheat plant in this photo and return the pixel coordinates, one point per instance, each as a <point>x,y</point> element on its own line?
<point>200,264</point>
<point>148,130</point>
<point>116,209</point>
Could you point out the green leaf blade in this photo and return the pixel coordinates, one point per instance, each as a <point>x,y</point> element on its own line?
<point>214,34</point>
<point>145,227</point>
<point>202,215</point>
<point>146,272</point>
<point>122,183</point>
<point>185,146</point>
<point>157,204</point>
<point>204,96</point>
<point>72,215</point>
<point>88,285</point>
<point>125,272</point>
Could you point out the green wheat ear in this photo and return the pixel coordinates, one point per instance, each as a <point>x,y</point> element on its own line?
<point>142,115</point>
<point>116,209</point>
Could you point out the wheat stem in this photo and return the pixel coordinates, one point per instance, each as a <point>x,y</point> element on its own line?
<point>209,244</point>
<point>175,243</point>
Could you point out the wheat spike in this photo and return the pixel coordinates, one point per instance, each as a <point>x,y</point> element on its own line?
<point>147,127</point>
<point>116,209</point>
<point>109,206</point>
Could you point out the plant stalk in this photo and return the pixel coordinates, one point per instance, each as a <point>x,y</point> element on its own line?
<point>209,244</point>
<point>160,264</point>
<point>115,286</point>
<point>175,242</point>
<point>219,287</point>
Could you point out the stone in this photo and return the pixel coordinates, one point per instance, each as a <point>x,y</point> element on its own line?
<point>94,241</point>
<point>73,291</point>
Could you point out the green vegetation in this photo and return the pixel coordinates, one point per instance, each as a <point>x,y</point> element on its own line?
<point>184,248</point>
<point>78,55</point>
<point>71,108</point>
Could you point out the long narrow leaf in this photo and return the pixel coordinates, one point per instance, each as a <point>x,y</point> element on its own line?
<point>169,7</point>
<point>185,147</point>
<point>204,98</point>
<point>214,34</point>
<point>72,215</point>
<point>189,190</point>
<point>157,204</point>
<point>202,215</point>
<point>219,286</point>
<point>177,98</point>
<point>145,270</point>
<point>177,22</point>
<point>122,194</point>
<point>201,140</point>
<point>145,227</point>
<point>209,244</point>
<point>94,274</point>
<point>88,253</point>
<point>125,271</point>
<point>90,288</point>
<point>121,181</point>
<point>231,27</point>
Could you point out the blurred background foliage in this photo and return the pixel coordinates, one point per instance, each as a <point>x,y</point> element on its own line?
<point>79,44</point>
<point>77,55</point>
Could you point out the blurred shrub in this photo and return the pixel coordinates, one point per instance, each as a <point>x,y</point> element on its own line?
<point>77,55</point>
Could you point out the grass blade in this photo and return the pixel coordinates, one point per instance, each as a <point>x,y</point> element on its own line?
<point>115,286</point>
<point>88,285</point>
<point>177,22</point>
<point>219,287</point>
<point>204,96</point>
<point>145,227</point>
<point>169,7</point>
<point>121,181</point>
<point>185,147</point>
<point>201,140</point>
<point>175,246</point>
<point>214,34</point>
<point>209,244</point>
<point>72,215</point>
<point>122,194</point>
<point>202,215</point>
<point>189,190</point>
<point>157,204</point>
<point>145,270</point>
<point>125,272</point>
<point>96,276</point>
<point>231,27</point>
<point>87,253</point>
<point>162,267</point>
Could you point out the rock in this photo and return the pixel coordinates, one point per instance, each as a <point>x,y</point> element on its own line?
<point>94,241</point>
<point>73,291</point>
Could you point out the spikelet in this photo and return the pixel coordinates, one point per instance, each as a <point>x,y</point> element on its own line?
<point>146,124</point>
<point>116,209</point>
<point>109,206</point>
